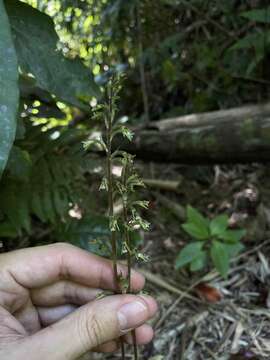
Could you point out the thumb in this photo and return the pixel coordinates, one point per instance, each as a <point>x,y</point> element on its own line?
<point>90,326</point>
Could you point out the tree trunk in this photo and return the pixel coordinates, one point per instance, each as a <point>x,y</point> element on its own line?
<point>237,135</point>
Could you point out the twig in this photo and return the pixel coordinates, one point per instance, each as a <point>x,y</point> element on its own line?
<point>206,17</point>
<point>196,319</point>
<point>177,301</point>
<point>206,348</point>
<point>141,65</point>
<point>167,185</point>
<point>178,210</point>
<point>156,280</point>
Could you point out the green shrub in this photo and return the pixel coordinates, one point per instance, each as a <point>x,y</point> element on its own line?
<point>212,240</point>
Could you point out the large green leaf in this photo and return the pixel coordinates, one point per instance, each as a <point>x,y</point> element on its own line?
<point>219,224</point>
<point>14,204</point>
<point>220,257</point>
<point>188,254</point>
<point>258,15</point>
<point>255,40</point>
<point>36,44</point>
<point>232,236</point>
<point>195,231</point>
<point>9,91</point>
<point>199,262</point>
<point>195,217</point>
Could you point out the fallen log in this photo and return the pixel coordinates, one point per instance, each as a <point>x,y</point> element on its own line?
<point>237,135</point>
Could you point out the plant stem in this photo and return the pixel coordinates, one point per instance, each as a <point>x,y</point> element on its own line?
<point>109,127</point>
<point>110,188</point>
<point>129,260</point>
<point>123,352</point>
<point>135,347</point>
<point>142,68</point>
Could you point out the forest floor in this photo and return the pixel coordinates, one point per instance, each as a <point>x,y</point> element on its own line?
<point>202,316</point>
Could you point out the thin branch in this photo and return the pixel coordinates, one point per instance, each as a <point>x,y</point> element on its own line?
<point>142,69</point>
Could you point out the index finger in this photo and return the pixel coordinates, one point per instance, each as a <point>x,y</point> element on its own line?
<point>40,266</point>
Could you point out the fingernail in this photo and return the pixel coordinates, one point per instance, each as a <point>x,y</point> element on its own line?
<point>132,315</point>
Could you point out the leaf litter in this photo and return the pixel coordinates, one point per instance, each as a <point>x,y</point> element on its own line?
<point>203,316</point>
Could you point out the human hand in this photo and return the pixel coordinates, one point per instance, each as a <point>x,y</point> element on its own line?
<point>49,310</point>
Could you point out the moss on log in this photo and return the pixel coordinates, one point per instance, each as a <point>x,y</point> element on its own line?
<point>228,136</point>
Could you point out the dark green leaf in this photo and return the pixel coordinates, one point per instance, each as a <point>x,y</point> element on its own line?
<point>9,89</point>
<point>48,206</point>
<point>14,204</point>
<point>199,262</point>
<point>234,249</point>
<point>219,224</point>
<point>19,164</point>
<point>37,206</point>
<point>36,44</point>
<point>258,15</point>
<point>195,217</point>
<point>188,254</point>
<point>253,40</point>
<point>7,230</point>
<point>90,233</point>
<point>232,236</point>
<point>60,201</point>
<point>220,257</point>
<point>200,233</point>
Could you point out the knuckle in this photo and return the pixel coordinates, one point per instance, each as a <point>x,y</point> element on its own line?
<point>95,330</point>
<point>66,291</point>
<point>71,293</point>
<point>91,330</point>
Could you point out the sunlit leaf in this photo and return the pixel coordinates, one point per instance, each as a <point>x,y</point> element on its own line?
<point>35,41</point>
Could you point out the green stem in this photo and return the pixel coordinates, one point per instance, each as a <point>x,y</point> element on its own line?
<point>110,190</point>
<point>110,120</point>
<point>129,258</point>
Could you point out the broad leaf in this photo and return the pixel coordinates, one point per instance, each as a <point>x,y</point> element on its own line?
<point>232,236</point>
<point>219,224</point>
<point>36,44</point>
<point>199,262</point>
<point>195,217</point>
<point>37,206</point>
<point>234,249</point>
<point>19,164</point>
<point>7,230</point>
<point>188,254</point>
<point>220,257</point>
<point>9,90</point>
<point>258,15</point>
<point>14,204</point>
<point>92,233</point>
<point>255,40</point>
<point>200,233</point>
